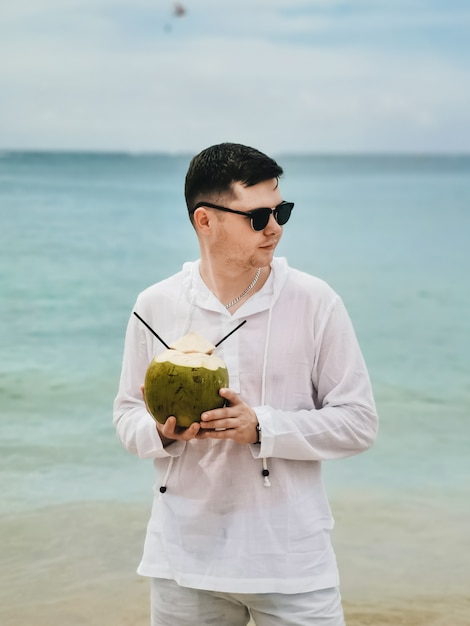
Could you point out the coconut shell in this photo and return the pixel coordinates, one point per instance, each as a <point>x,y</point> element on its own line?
<point>184,385</point>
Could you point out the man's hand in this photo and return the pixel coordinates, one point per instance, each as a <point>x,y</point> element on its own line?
<point>236,421</point>
<point>170,432</point>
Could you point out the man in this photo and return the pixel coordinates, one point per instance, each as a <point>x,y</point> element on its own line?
<point>240,523</point>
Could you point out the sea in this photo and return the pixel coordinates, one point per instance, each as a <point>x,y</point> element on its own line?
<point>81,234</point>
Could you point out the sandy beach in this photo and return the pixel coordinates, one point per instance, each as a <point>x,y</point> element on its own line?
<point>75,565</point>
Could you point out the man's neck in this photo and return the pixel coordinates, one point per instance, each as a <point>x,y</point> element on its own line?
<point>228,284</point>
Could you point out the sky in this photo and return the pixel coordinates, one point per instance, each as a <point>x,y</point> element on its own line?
<point>285,76</point>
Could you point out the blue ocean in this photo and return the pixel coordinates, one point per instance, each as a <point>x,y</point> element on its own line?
<point>81,234</point>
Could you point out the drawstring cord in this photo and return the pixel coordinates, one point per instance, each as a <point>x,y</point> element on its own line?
<point>165,478</point>
<point>265,471</point>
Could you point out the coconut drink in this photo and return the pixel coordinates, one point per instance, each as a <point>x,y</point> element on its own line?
<point>184,381</point>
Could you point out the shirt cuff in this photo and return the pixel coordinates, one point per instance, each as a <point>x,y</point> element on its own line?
<point>265,449</point>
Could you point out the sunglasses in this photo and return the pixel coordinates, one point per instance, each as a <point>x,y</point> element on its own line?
<point>259,217</point>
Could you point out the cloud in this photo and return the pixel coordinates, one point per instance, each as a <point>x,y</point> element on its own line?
<point>107,75</point>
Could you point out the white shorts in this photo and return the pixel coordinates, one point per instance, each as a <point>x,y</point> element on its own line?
<point>172,605</point>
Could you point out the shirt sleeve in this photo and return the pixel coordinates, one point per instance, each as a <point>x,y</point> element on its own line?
<point>135,427</point>
<point>344,422</point>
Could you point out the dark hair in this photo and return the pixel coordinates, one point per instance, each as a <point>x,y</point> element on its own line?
<point>213,171</point>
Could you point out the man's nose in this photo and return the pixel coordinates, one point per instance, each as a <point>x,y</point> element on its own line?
<point>272,225</point>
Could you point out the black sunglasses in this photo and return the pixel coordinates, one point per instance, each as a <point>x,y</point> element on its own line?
<point>259,217</point>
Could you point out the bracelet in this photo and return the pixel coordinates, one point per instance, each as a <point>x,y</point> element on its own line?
<point>258,434</point>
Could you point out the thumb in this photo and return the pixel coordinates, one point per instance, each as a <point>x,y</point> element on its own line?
<point>230,395</point>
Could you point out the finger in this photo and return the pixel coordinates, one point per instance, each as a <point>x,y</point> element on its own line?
<point>226,411</point>
<point>217,434</point>
<point>142,390</point>
<point>216,425</point>
<point>171,430</point>
<point>209,417</point>
<point>191,431</point>
<point>230,395</point>
<point>168,428</point>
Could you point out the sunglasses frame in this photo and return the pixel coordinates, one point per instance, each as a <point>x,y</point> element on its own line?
<point>251,214</point>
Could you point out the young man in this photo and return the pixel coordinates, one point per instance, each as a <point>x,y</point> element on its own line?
<point>240,523</point>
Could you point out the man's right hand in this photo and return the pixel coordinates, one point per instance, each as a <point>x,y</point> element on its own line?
<point>169,431</point>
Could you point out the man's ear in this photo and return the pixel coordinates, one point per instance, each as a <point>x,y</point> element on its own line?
<point>202,219</point>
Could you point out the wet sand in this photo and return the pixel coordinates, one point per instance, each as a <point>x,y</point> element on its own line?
<point>404,564</point>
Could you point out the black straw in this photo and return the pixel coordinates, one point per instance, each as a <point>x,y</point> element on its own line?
<point>168,347</point>
<point>230,333</point>
<point>153,332</point>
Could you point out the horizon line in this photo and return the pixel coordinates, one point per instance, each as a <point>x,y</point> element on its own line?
<point>183,153</point>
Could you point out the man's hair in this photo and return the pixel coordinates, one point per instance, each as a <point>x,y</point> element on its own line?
<point>212,172</point>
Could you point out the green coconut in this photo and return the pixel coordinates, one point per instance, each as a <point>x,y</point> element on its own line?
<point>184,381</point>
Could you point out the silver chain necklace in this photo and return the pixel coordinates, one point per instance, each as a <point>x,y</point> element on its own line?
<point>247,290</point>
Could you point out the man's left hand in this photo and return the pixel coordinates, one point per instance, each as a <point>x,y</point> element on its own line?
<point>235,421</point>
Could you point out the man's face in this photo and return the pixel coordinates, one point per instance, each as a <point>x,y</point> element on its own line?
<point>235,243</point>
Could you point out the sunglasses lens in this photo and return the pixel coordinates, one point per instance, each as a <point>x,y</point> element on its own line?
<point>260,218</point>
<point>283,212</point>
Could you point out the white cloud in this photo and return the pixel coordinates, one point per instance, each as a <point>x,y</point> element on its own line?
<point>98,86</point>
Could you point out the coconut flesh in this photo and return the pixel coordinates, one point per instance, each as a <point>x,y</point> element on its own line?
<point>184,381</point>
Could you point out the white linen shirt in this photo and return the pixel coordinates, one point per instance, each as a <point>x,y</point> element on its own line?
<point>297,362</point>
